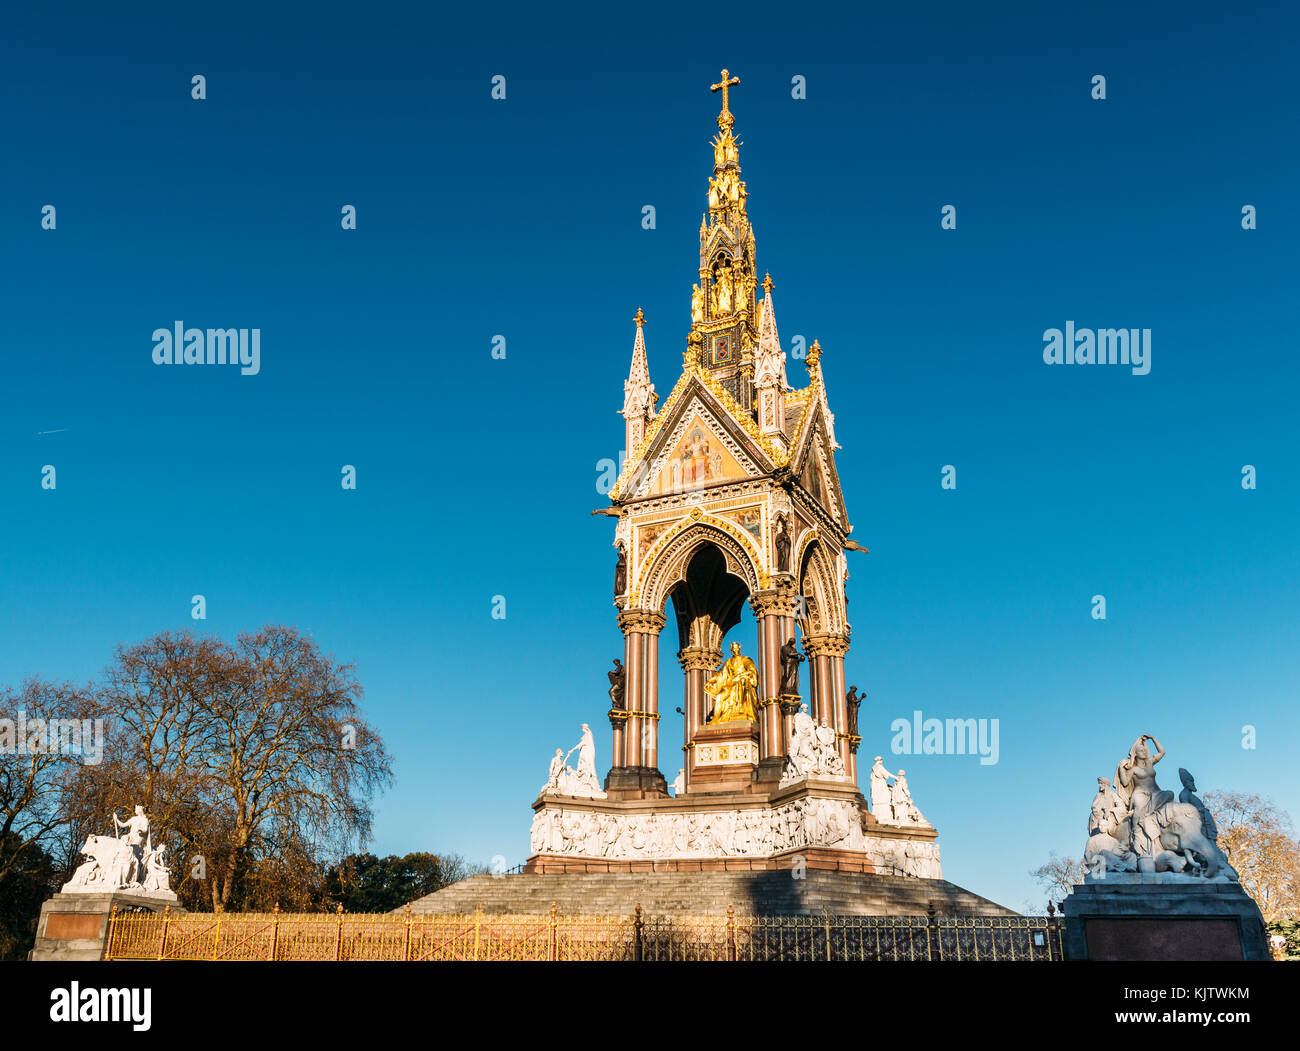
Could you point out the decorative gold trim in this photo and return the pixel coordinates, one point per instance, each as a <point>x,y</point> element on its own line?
<point>740,416</point>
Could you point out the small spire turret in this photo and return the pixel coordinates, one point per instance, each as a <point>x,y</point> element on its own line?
<point>639,397</point>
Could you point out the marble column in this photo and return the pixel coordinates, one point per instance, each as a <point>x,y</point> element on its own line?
<point>698,663</point>
<point>774,614</point>
<point>825,653</point>
<point>640,745</point>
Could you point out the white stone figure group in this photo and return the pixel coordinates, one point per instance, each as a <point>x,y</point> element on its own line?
<point>754,832</point>
<point>892,804</point>
<point>128,863</point>
<point>1135,826</point>
<point>564,781</point>
<point>813,750</point>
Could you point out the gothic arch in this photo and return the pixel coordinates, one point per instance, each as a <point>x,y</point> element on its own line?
<point>819,583</point>
<point>667,562</point>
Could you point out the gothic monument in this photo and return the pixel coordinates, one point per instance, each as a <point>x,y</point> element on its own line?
<point>729,499</point>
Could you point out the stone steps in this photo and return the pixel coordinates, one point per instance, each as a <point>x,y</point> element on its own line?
<point>765,893</point>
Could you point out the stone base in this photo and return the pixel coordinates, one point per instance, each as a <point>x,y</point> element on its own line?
<point>823,822</point>
<point>636,782</point>
<point>74,926</point>
<point>723,756</point>
<point>815,859</point>
<point>1160,920</point>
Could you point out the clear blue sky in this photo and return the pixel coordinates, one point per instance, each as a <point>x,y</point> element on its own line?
<point>523,218</point>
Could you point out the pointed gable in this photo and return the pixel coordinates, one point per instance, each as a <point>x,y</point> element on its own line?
<point>705,436</point>
<point>813,464</point>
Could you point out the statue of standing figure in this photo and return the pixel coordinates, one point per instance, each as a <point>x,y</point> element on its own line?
<point>561,780</point>
<point>620,572</point>
<point>892,804</point>
<point>790,668</point>
<point>586,749</point>
<point>782,545</point>
<point>555,775</point>
<point>852,702</point>
<point>881,802</point>
<point>137,827</point>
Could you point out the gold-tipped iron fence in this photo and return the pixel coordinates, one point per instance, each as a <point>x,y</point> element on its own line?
<point>344,936</point>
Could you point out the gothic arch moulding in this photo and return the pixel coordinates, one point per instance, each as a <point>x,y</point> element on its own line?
<point>665,564</point>
<point>820,584</point>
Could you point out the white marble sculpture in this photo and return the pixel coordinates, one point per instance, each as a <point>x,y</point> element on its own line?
<point>1135,827</point>
<point>564,781</point>
<point>679,783</point>
<point>129,863</point>
<point>754,832</point>
<point>813,750</point>
<point>892,804</point>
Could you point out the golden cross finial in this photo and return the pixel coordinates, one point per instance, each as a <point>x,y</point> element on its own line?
<point>724,118</point>
<point>640,318</point>
<point>767,283</point>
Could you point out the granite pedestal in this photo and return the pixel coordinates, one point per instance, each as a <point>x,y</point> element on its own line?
<point>74,927</point>
<point>1135,916</point>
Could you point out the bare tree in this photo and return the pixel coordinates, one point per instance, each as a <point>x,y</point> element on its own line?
<point>37,764</point>
<point>1258,838</point>
<point>295,757</point>
<point>156,700</point>
<point>252,759</point>
<point>1059,876</point>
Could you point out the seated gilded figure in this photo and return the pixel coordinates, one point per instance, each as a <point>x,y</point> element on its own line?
<point>734,689</point>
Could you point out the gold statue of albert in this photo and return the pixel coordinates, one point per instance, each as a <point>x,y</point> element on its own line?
<point>734,689</point>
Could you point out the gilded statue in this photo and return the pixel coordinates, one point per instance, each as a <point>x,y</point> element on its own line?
<point>734,689</point>
<point>697,303</point>
<point>723,288</point>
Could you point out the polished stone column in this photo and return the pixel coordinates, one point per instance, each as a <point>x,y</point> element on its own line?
<point>640,736</point>
<point>774,614</point>
<point>826,664</point>
<point>698,663</point>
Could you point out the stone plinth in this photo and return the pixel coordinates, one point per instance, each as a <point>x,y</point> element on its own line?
<point>1153,918</point>
<point>823,823</point>
<point>636,782</point>
<point>724,756</point>
<point>74,927</point>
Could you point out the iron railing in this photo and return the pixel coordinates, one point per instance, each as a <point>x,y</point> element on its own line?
<point>481,936</point>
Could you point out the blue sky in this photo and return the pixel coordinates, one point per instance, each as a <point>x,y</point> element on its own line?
<point>523,218</point>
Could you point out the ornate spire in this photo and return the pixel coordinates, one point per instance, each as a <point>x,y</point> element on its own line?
<point>770,364</point>
<point>639,397</point>
<point>769,373</point>
<point>724,312</point>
